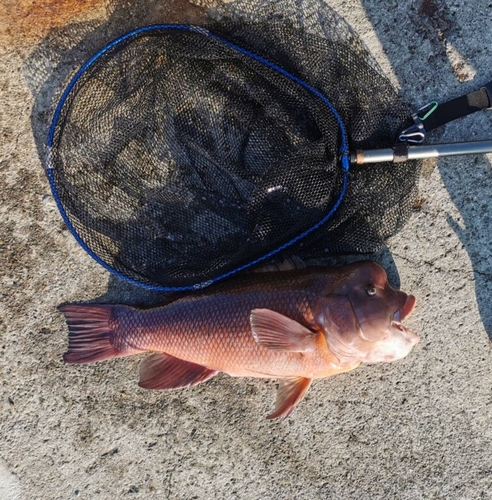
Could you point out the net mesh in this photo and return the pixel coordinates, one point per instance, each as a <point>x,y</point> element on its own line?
<point>177,158</point>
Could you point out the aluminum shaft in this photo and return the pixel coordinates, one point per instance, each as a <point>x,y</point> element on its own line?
<point>360,157</point>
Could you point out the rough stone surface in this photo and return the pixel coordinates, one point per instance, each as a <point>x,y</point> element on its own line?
<point>418,428</point>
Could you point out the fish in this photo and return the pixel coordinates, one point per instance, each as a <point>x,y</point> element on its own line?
<point>295,326</point>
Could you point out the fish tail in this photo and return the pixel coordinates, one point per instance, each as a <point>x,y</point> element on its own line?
<point>94,333</point>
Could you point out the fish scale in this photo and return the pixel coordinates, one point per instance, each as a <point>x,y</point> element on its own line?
<point>215,332</point>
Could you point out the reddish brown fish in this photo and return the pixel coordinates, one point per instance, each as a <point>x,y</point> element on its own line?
<point>294,325</point>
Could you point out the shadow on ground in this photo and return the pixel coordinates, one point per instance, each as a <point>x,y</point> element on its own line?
<point>469,188</point>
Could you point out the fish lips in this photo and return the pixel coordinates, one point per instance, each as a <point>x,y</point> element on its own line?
<point>405,310</point>
<point>403,313</point>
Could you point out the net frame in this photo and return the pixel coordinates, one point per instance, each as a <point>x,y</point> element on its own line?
<point>304,237</point>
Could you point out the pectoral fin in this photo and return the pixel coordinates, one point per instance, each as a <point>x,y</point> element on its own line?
<point>290,392</point>
<point>279,333</point>
<point>162,371</point>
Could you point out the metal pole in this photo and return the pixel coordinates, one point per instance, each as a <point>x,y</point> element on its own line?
<point>360,157</point>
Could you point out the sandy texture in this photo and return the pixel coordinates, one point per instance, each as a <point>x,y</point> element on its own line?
<point>418,428</point>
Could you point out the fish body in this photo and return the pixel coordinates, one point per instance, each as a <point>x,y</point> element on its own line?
<point>296,326</point>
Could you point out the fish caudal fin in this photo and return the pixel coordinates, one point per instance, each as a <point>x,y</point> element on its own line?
<point>290,392</point>
<point>92,328</point>
<point>162,371</point>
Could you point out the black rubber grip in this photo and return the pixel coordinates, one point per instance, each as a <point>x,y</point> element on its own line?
<point>459,107</point>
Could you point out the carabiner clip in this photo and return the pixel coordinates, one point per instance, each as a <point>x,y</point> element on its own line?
<point>415,134</point>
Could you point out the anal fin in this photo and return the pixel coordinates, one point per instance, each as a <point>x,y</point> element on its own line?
<point>290,392</point>
<point>162,371</point>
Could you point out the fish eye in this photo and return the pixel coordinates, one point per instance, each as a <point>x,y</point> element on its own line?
<point>371,289</point>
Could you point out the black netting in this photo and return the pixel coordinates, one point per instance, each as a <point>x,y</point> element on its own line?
<point>178,158</point>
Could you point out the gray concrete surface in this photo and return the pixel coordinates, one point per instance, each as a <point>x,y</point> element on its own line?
<point>415,429</point>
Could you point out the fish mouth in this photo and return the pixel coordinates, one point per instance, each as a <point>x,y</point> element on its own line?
<point>405,310</point>
<point>403,313</point>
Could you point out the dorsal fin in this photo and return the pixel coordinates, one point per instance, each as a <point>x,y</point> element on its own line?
<point>288,264</point>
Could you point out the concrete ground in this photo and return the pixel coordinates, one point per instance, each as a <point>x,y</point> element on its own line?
<point>417,428</point>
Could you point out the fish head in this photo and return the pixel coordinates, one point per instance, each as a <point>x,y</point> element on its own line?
<point>362,316</point>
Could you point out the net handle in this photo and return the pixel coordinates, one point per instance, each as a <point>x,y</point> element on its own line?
<point>360,157</point>
<point>427,118</point>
